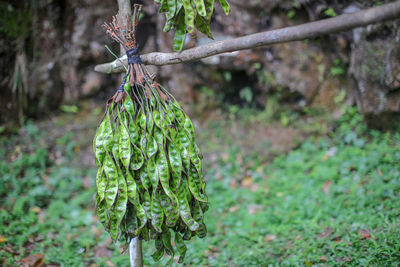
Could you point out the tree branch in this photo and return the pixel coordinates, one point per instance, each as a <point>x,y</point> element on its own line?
<point>294,33</point>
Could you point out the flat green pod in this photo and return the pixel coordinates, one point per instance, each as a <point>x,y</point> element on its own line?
<point>101,211</point>
<point>129,106</point>
<point>195,184</point>
<point>180,245</point>
<point>137,159</point>
<point>141,119</point>
<point>180,32</point>
<point>194,153</point>
<point>114,227</point>
<point>101,182</point>
<point>157,255</point>
<point>141,215</point>
<point>203,25</point>
<point>159,137</point>
<point>144,178</point>
<point>189,16</point>
<point>184,208</point>
<point>157,214</point>
<point>152,173</point>
<point>131,220</point>
<point>131,187</point>
<point>110,171</point>
<point>164,175</point>
<point>171,9</point>
<point>115,144</point>
<point>166,238</point>
<point>188,124</point>
<point>183,144</point>
<point>98,141</point>
<point>124,141</point>
<point>201,8</point>
<point>199,217</point>
<point>152,147</point>
<point>157,118</point>
<point>225,6</point>
<point>133,132</point>
<point>145,200</point>
<point>175,162</point>
<point>122,198</point>
<point>108,132</point>
<point>209,8</point>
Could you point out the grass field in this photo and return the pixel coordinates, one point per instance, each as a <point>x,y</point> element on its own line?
<point>333,200</point>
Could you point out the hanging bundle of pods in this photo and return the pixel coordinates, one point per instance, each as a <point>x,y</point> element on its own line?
<point>149,178</point>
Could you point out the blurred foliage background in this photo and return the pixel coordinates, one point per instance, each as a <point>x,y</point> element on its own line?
<point>301,140</point>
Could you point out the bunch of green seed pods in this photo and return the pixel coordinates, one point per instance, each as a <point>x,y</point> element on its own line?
<point>187,15</point>
<point>149,178</point>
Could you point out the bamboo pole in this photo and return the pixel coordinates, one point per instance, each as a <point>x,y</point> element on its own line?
<point>289,34</point>
<point>135,246</point>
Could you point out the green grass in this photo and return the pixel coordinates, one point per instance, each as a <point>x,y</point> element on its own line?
<point>333,201</point>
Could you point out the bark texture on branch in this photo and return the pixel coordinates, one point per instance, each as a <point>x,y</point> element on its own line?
<point>294,33</point>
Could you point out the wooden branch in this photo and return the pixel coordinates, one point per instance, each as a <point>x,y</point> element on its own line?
<point>294,33</point>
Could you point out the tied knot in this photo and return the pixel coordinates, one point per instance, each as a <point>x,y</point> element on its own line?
<point>133,56</point>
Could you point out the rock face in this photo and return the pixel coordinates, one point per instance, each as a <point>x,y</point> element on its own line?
<point>375,67</point>
<point>67,41</point>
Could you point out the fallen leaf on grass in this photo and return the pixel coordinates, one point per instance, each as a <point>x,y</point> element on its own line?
<point>345,259</point>
<point>233,184</point>
<point>269,238</point>
<point>254,208</point>
<point>234,208</point>
<point>365,234</point>
<point>323,258</point>
<point>2,239</point>
<point>32,261</point>
<point>327,232</point>
<point>247,182</point>
<point>36,209</point>
<point>326,187</point>
<point>307,262</point>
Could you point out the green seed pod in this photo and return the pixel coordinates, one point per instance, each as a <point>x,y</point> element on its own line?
<point>180,245</point>
<point>164,175</point>
<point>189,16</point>
<point>195,184</point>
<point>101,211</point>
<point>201,8</point>
<point>108,133</point>
<point>110,171</point>
<point>101,183</point>
<point>157,255</point>
<point>98,142</point>
<point>122,199</point>
<point>157,215</point>
<point>131,187</point>
<point>198,216</point>
<point>175,162</point>
<point>124,141</point>
<point>180,33</point>
<point>225,6</point>
<point>184,209</point>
